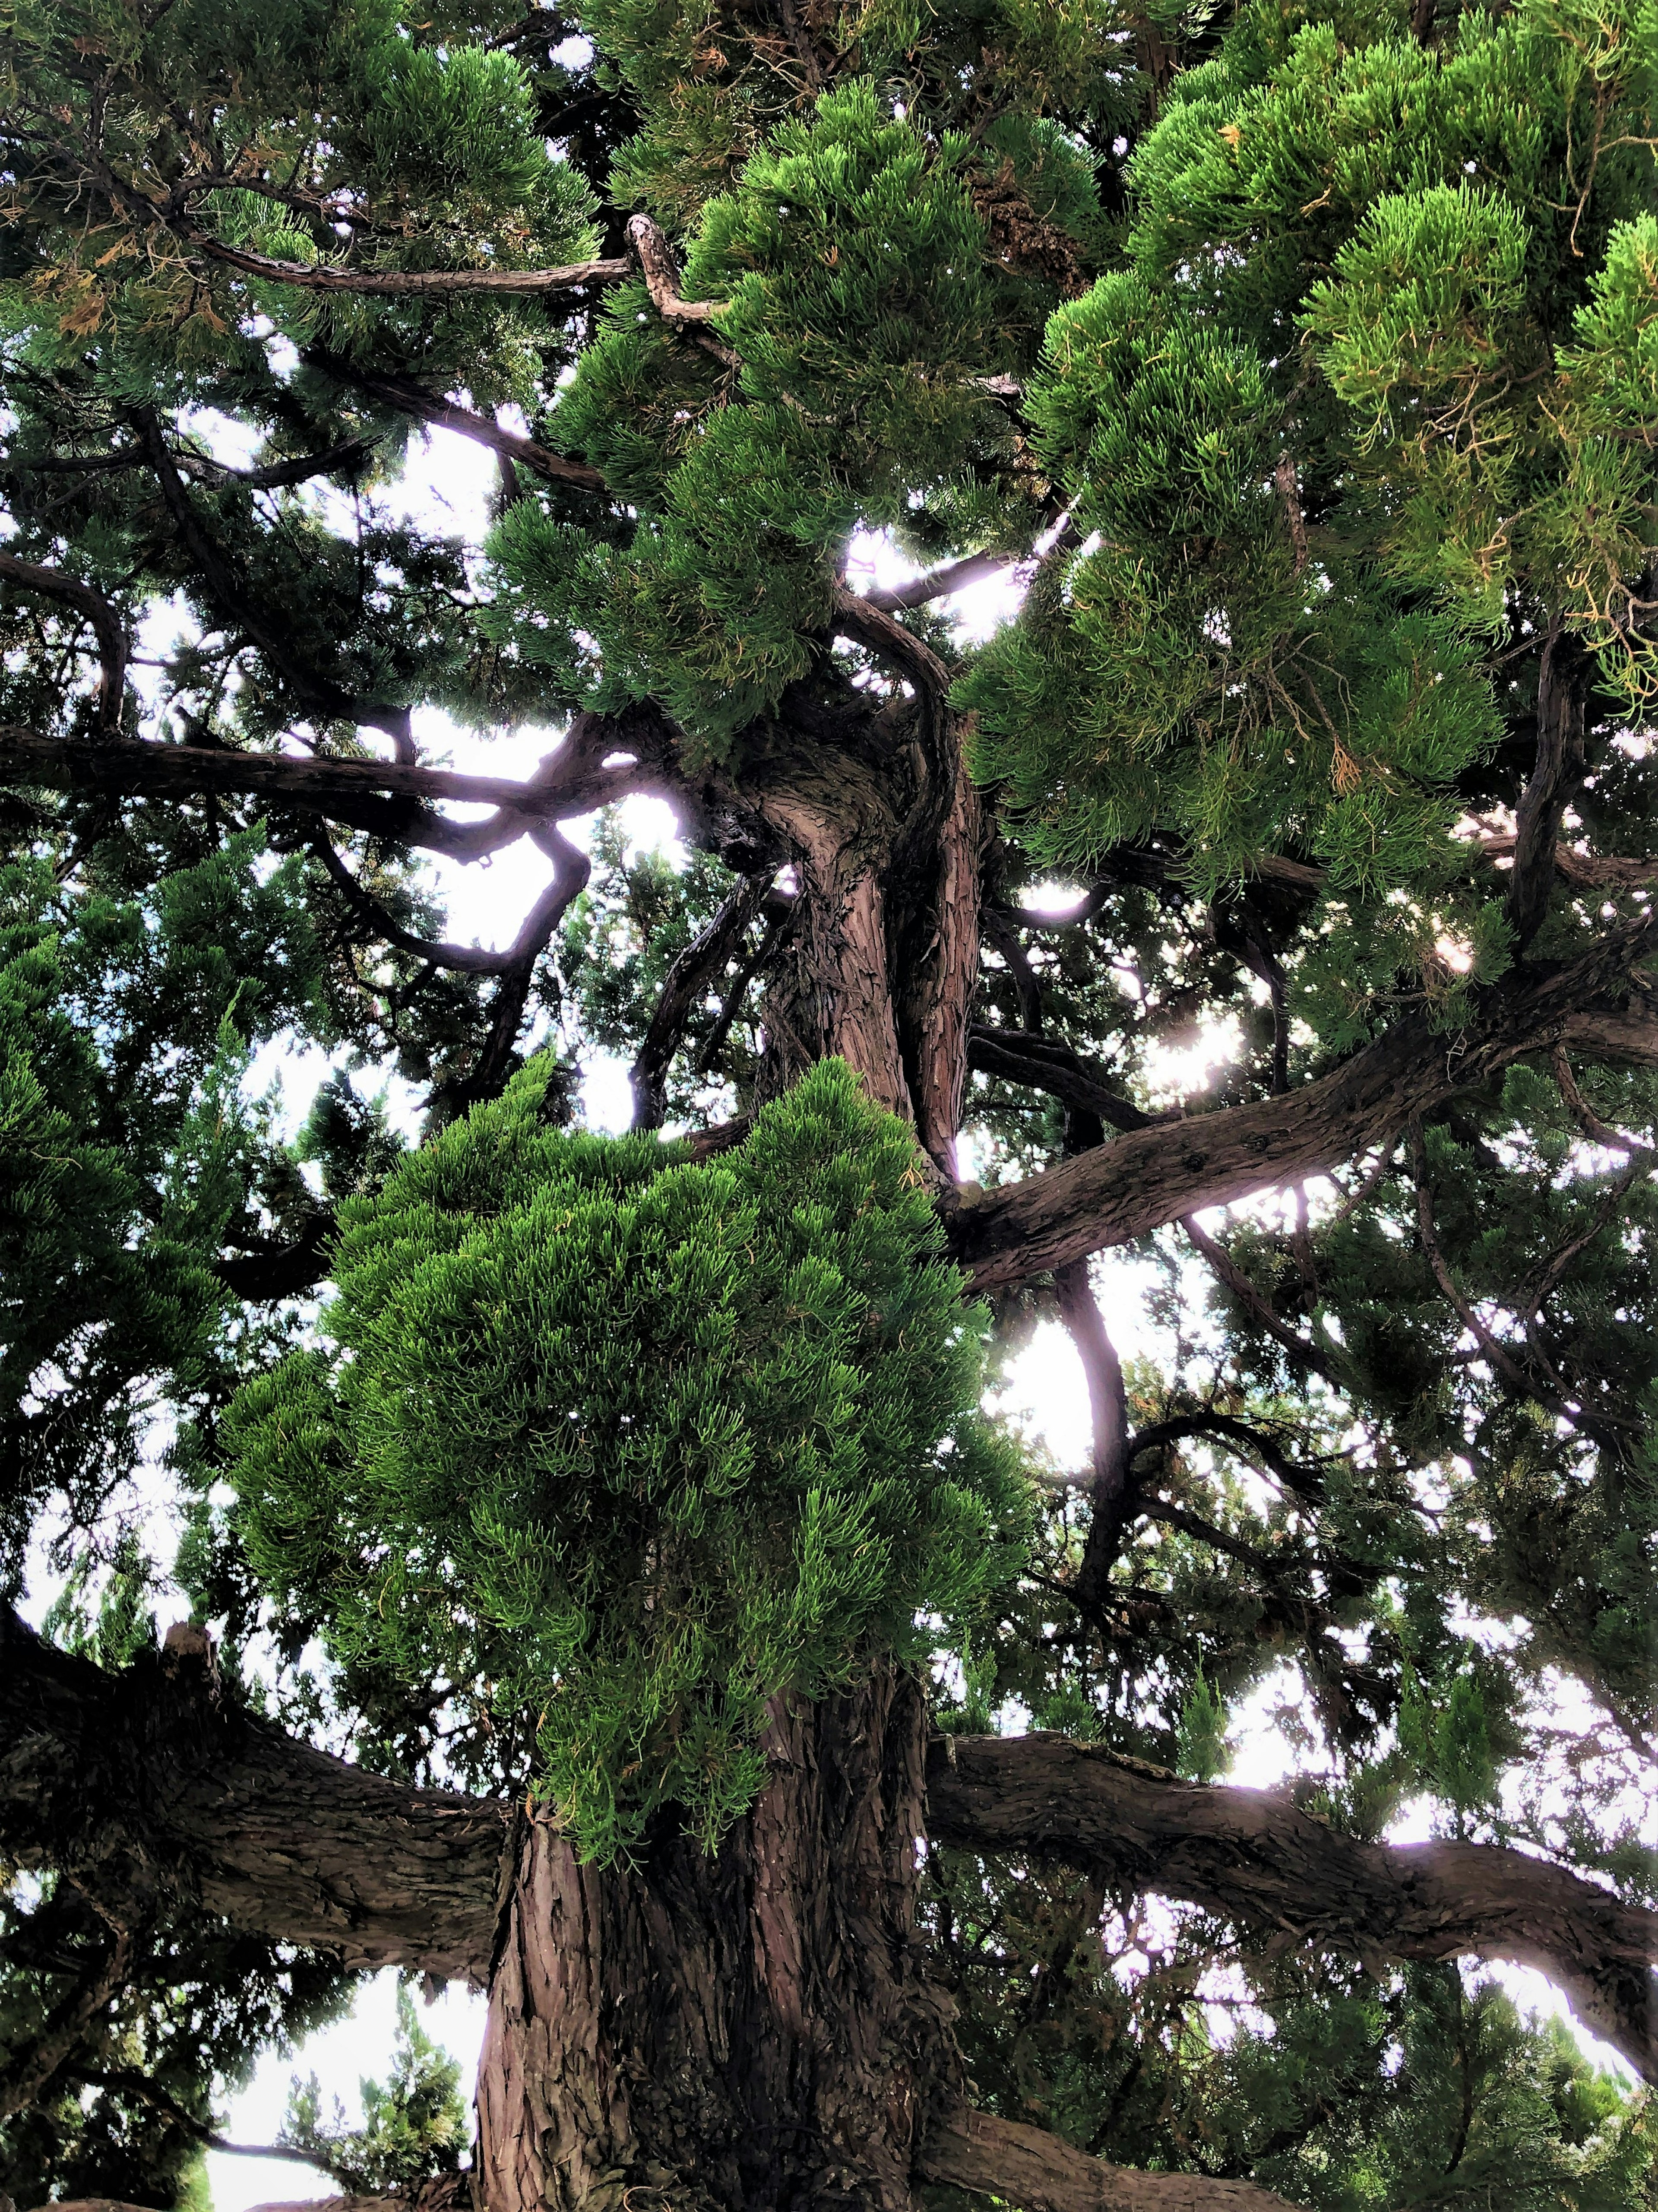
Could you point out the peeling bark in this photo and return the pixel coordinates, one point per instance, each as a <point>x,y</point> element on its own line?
<point>1251,1856</point>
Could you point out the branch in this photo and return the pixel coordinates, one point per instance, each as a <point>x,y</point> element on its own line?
<point>152,1782</point>
<point>1040,1063</point>
<point>1111,1491</point>
<point>862,620</point>
<point>466,959</point>
<point>1150,1176</point>
<point>1312,1358</point>
<point>1556,775</point>
<point>1041,2172</point>
<point>356,792</point>
<point>939,583</point>
<point>404,283</point>
<point>660,270</point>
<point>406,398</point>
<point>106,627</point>
<point>318,694</point>
<point>704,958</point>
<point>571,869</point>
<point>1253,1857</point>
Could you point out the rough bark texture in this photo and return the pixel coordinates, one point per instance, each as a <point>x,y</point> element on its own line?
<point>1149,1176</point>
<point>1252,1856</point>
<point>151,1782</point>
<point>751,2029</point>
<point>1037,2170</point>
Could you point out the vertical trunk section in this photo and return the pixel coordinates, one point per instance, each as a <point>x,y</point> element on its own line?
<point>751,2029</point>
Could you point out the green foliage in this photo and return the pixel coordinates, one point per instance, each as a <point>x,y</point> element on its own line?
<point>1201,1751</point>
<point>414,2125</point>
<point>633,1445</point>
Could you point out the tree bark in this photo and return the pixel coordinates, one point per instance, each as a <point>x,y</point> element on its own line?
<point>152,1783</point>
<point>1251,1856</point>
<point>1041,2172</point>
<point>750,2029</point>
<point>1148,1178</point>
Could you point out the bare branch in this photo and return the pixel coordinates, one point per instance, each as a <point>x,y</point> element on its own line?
<point>939,583</point>
<point>445,414</point>
<point>151,1782</point>
<point>1041,1063</point>
<point>405,283</point>
<point>889,641</point>
<point>1251,1857</point>
<point>702,960</point>
<point>1150,1176</point>
<point>357,791</point>
<point>107,626</point>
<point>467,959</point>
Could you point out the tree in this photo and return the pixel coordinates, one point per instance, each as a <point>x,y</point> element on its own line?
<point>603,1566</point>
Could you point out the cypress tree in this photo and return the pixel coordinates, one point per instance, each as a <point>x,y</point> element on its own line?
<point>438,1533</point>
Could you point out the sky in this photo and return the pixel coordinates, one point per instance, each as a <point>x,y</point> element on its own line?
<point>450,482</point>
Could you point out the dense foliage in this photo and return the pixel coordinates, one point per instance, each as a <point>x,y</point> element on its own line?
<point>1297,361</point>
<point>622,1446</point>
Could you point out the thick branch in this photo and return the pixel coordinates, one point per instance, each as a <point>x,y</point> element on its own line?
<point>152,1781</point>
<point>1251,1856</point>
<point>1041,2173</point>
<point>356,792</point>
<point>1150,1176</point>
<point>106,625</point>
<point>938,583</point>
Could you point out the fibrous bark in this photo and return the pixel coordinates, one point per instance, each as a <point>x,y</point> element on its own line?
<point>1252,1856</point>
<point>750,2029</point>
<point>153,1782</point>
<point>1147,1177</point>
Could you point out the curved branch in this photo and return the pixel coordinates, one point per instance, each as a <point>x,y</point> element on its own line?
<point>1040,1063</point>
<point>367,794</point>
<point>107,626</point>
<point>1251,1856</point>
<point>661,269</point>
<point>465,959</point>
<point>152,1781</point>
<point>705,957</point>
<point>1041,2172</point>
<point>1122,1190</point>
<point>444,414</point>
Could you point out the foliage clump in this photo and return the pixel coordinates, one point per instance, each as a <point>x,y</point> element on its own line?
<point>624,1445</point>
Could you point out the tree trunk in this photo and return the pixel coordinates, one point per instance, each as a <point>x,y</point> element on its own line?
<point>750,2029</point>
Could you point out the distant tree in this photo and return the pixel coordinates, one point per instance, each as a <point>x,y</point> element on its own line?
<point>606,1561</point>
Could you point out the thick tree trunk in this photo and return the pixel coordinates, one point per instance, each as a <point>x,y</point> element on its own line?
<point>752,2029</point>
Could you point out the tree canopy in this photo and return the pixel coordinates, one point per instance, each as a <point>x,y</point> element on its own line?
<point>1237,948</point>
